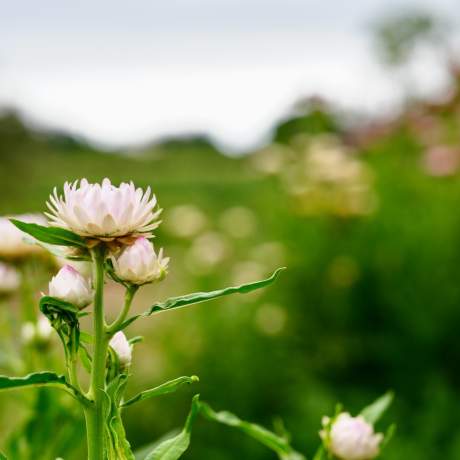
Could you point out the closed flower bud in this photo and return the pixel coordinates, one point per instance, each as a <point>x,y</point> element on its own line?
<point>104,211</point>
<point>122,348</point>
<point>139,264</point>
<point>70,286</point>
<point>351,438</point>
<point>9,279</point>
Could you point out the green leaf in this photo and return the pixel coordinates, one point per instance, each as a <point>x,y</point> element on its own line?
<point>52,303</point>
<point>374,411</point>
<point>173,448</point>
<point>34,380</point>
<point>140,453</point>
<point>41,379</point>
<point>63,317</point>
<point>391,430</point>
<point>198,297</point>
<point>118,446</point>
<point>50,235</point>
<point>276,443</point>
<point>3,456</point>
<point>162,389</point>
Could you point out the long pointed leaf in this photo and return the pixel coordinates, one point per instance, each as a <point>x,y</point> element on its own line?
<point>374,411</point>
<point>40,379</point>
<point>173,448</point>
<point>37,379</point>
<point>198,297</point>
<point>167,387</point>
<point>50,235</point>
<point>276,443</point>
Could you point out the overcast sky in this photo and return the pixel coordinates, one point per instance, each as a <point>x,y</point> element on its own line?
<point>122,72</point>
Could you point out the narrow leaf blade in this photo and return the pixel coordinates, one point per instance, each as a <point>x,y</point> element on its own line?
<point>50,235</point>
<point>276,443</point>
<point>173,448</point>
<point>36,379</point>
<point>199,297</point>
<point>374,411</point>
<point>167,387</point>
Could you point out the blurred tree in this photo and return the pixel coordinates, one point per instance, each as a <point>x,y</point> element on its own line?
<point>310,116</point>
<point>398,36</point>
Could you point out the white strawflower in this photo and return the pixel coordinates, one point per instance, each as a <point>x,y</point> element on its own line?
<point>9,279</point>
<point>139,264</point>
<point>352,438</point>
<point>104,211</point>
<point>12,240</point>
<point>70,286</point>
<point>122,348</point>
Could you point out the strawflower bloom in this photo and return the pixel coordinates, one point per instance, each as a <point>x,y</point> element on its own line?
<point>103,211</point>
<point>70,286</point>
<point>12,241</point>
<point>9,279</point>
<point>351,438</point>
<point>122,348</point>
<point>139,264</point>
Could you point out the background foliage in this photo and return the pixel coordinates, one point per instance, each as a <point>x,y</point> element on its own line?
<point>370,300</point>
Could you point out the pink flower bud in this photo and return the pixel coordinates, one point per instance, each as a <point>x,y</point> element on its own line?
<point>351,438</point>
<point>122,348</point>
<point>139,264</point>
<point>70,286</point>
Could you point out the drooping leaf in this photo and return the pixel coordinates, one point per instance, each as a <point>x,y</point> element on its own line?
<point>57,304</point>
<point>63,317</point>
<point>198,297</point>
<point>50,235</point>
<point>173,448</point>
<point>276,443</point>
<point>374,411</point>
<point>162,389</point>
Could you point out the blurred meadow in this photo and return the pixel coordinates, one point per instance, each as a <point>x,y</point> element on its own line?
<point>364,214</point>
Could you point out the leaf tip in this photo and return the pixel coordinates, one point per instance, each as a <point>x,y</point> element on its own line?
<point>194,379</point>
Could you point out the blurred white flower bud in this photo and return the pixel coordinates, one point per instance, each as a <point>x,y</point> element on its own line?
<point>38,333</point>
<point>351,438</point>
<point>70,286</point>
<point>139,264</point>
<point>122,348</point>
<point>9,279</point>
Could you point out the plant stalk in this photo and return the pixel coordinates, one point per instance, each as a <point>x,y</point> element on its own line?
<point>129,295</point>
<point>94,415</point>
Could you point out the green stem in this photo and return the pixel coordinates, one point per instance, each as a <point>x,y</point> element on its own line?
<point>94,415</point>
<point>129,295</point>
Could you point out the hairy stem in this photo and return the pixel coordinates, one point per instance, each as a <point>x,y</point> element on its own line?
<point>95,414</point>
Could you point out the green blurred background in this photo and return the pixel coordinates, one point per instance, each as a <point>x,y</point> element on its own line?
<point>366,218</point>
